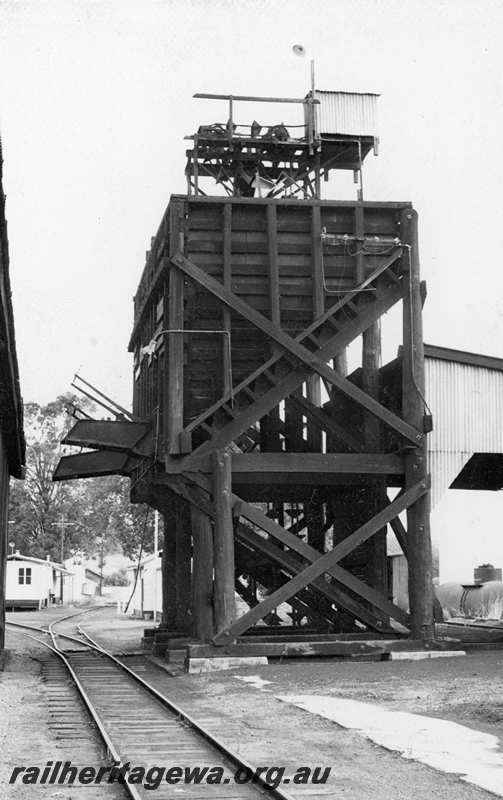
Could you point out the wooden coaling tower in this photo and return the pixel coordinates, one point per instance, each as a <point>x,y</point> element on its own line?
<point>277,471</point>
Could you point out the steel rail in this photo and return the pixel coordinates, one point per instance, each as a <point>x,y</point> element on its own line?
<point>236,759</point>
<point>183,716</point>
<point>53,635</point>
<point>48,630</point>
<point>112,752</point>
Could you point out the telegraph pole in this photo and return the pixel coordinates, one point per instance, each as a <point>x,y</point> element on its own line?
<point>156,548</point>
<point>62,524</point>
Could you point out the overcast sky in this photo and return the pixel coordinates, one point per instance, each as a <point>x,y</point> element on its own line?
<point>95,98</point>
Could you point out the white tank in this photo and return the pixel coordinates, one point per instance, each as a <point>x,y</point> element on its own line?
<point>478,601</point>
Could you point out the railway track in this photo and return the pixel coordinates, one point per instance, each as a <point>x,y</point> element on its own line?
<point>142,728</point>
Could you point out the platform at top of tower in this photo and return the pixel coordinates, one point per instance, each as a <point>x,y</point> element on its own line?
<point>337,130</point>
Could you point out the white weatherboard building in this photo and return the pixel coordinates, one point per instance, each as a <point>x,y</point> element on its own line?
<point>35,583</point>
<point>84,582</point>
<point>147,597</point>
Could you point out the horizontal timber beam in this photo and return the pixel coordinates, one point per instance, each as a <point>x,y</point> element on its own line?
<point>286,201</point>
<point>248,98</point>
<point>368,463</point>
<point>296,466</point>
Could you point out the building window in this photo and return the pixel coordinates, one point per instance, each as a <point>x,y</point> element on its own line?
<point>24,575</point>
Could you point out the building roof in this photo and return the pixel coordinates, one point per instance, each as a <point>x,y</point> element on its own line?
<point>44,561</point>
<point>91,573</point>
<point>344,91</point>
<point>463,357</point>
<point>146,560</point>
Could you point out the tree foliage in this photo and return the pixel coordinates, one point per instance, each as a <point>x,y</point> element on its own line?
<point>80,512</point>
<point>119,578</point>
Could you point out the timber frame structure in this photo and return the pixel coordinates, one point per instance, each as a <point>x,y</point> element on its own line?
<point>281,160</point>
<point>277,472</point>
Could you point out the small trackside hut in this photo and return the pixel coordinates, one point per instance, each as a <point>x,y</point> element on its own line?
<point>35,583</point>
<point>277,470</point>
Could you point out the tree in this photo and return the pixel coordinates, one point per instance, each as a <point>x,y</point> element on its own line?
<point>119,578</point>
<point>90,509</point>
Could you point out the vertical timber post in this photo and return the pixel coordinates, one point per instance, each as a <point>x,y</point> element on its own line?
<point>174,404</point>
<point>376,568</point>
<point>202,574</point>
<point>416,468</point>
<point>223,551</point>
<point>168,567</point>
<point>371,361</point>
<point>314,510</point>
<point>226,314</point>
<point>183,567</point>
<point>173,319</point>
<point>318,300</point>
<point>272,423</point>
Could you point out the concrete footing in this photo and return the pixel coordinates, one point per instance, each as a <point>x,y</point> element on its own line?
<point>421,655</point>
<point>199,665</point>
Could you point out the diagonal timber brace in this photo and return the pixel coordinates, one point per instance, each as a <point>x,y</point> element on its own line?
<point>295,377</point>
<point>261,404</point>
<point>322,564</point>
<point>318,564</point>
<point>311,361</point>
<point>246,564</point>
<point>375,618</point>
<point>326,318</point>
<point>324,422</point>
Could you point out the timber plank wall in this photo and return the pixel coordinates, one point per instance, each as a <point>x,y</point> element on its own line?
<point>269,253</point>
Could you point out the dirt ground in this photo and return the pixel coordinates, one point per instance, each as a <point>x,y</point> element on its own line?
<point>27,733</point>
<point>467,690</point>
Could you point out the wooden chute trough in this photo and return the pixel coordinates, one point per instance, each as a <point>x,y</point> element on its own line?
<point>276,471</point>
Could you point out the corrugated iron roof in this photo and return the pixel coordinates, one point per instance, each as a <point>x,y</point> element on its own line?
<point>463,357</point>
<point>32,559</point>
<point>344,91</point>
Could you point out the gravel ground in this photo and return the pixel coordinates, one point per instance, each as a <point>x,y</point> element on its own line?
<point>468,690</point>
<point>27,733</point>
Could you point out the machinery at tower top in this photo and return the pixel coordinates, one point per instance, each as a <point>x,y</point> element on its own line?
<point>337,130</point>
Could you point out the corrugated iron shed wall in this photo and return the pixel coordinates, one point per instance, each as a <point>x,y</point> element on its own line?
<point>346,113</point>
<point>466,401</point>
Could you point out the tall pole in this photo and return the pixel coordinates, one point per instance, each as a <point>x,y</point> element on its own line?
<point>156,550</point>
<point>101,565</point>
<point>416,468</point>
<point>62,541</point>
<point>62,524</point>
<point>223,542</point>
<point>202,571</point>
